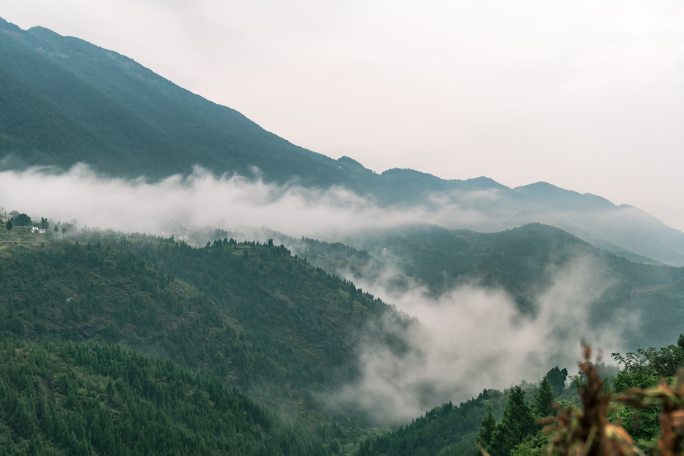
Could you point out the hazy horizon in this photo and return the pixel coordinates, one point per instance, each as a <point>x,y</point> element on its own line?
<point>585,96</point>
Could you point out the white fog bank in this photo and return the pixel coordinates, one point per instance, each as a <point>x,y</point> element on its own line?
<point>202,200</point>
<point>474,338</point>
<point>467,339</point>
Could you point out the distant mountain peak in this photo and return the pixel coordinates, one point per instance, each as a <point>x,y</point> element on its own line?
<point>40,30</point>
<point>35,30</point>
<point>540,186</point>
<point>350,163</point>
<point>5,25</point>
<point>544,190</point>
<point>409,172</point>
<point>485,182</point>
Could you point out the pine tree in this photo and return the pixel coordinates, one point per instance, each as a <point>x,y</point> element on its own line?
<point>487,428</point>
<point>557,379</point>
<point>516,424</point>
<point>543,399</point>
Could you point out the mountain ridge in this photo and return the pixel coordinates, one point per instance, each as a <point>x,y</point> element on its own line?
<point>82,48</point>
<point>66,101</point>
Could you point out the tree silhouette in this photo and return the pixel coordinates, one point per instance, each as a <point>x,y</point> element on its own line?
<point>487,429</point>
<point>543,399</point>
<point>21,220</point>
<point>516,424</point>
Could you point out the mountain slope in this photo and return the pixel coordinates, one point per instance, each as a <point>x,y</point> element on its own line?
<point>522,261</point>
<point>444,430</point>
<point>70,398</point>
<point>102,108</point>
<point>71,101</point>
<point>65,101</point>
<point>280,329</point>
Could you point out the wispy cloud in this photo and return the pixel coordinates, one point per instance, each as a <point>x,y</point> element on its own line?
<point>460,342</point>
<point>202,199</point>
<point>473,338</point>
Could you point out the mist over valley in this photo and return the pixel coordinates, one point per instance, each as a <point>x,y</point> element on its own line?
<point>176,279</point>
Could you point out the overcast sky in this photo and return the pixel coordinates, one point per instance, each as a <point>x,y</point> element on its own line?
<point>588,95</point>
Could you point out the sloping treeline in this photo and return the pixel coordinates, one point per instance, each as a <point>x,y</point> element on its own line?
<point>90,398</point>
<point>455,430</point>
<point>255,316</point>
<point>638,409</point>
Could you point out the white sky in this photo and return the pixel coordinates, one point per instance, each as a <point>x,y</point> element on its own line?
<point>588,95</point>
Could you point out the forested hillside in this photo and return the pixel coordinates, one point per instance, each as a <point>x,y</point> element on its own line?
<point>66,101</point>
<point>252,314</point>
<point>521,261</point>
<point>65,398</point>
<point>525,259</point>
<point>176,279</point>
<point>448,429</point>
<point>71,101</point>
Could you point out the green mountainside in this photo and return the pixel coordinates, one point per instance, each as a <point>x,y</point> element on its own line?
<point>447,430</point>
<point>122,344</point>
<point>88,398</point>
<point>521,261</point>
<point>65,101</point>
<point>284,332</point>
<point>444,430</point>
<point>253,315</point>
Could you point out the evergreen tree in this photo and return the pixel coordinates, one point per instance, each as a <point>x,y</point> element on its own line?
<point>9,225</point>
<point>516,425</point>
<point>557,379</point>
<point>543,399</point>
<point>487,428</point>
<point>22,220</point>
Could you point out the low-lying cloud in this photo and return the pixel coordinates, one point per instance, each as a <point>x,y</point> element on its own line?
<point>462,341</point>
<point>204,200</point>
<point>473,338</point>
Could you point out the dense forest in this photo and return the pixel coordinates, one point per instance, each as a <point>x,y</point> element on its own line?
<point>259,318</point>
<point>522,261</point>
<point>90,398</point>
<point>118,343</point>
<point>134,344</point>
